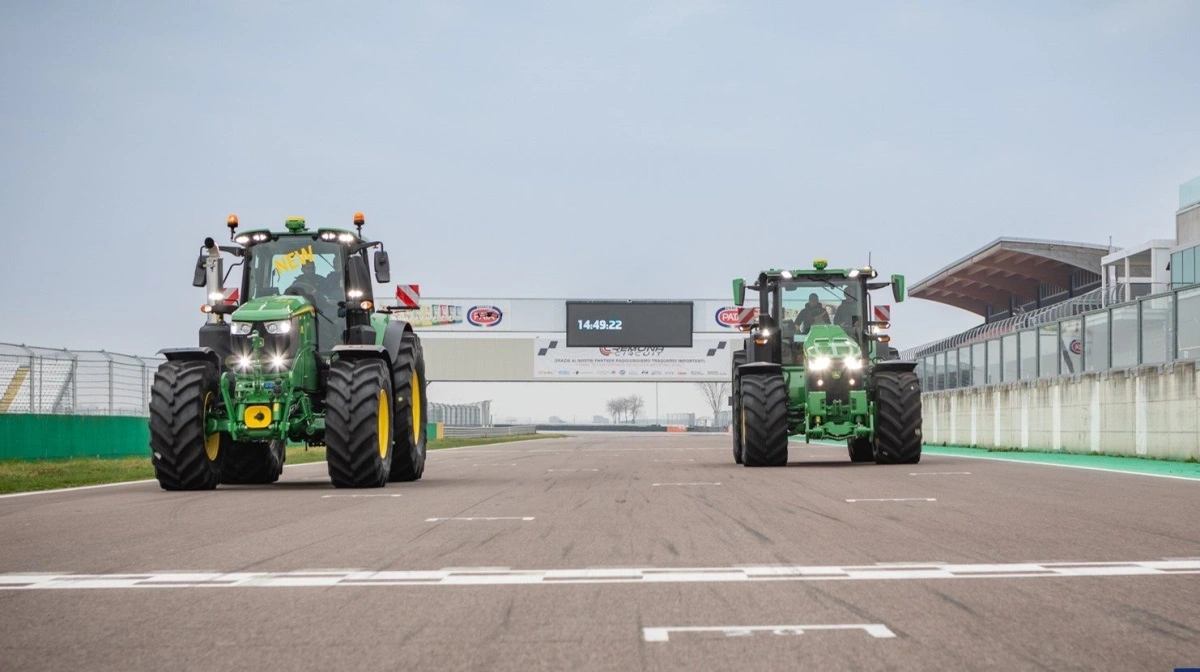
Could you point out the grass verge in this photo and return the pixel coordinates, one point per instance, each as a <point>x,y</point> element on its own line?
<point>31,475</point>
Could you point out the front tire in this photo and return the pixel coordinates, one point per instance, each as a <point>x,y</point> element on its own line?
<point>764,405</point>
<point>358,424</point>
<point>898,427</point>
<point>184,457</point>
<point>408,389</point>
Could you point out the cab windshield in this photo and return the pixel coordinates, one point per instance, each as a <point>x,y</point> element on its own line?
<point>807,303</point>
<point>301,266</point>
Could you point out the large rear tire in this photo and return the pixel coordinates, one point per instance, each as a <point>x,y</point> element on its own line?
<point>184,457</point>
<point>735,424</point>
<point>861,450</point>
<point>408,389</point>
<point>256,463</point>
<point>898,427</point>
<point>764,404</point>
<point>358,423</point>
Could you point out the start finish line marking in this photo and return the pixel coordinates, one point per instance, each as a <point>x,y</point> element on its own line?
<point>877,630</point>
<point>896,499</point>
<point>522,518</point>
<point>500,576</point>
<point>939,473</point>
<point>658,484</point>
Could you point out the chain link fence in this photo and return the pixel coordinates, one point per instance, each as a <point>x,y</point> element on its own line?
<point>74,382</point>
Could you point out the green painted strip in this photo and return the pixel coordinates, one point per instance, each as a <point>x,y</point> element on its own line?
<point>1110,463</point>
<point>1122,465</point>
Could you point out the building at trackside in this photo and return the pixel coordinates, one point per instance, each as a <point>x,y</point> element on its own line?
<point>1081,347</point>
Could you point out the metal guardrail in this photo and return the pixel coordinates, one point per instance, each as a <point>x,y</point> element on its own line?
<point>487,432</point>
<point>1095,332</point>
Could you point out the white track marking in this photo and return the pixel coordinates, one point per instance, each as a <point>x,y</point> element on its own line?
<point>495,576</point>
<point>876,630</point>
<point>658,484</point>
<point>352,496</point>
<point>549,470</point>
<point>940,473</point>
<point>493,465</point>
<point>688,460</point>
<point>896,499</point>
<point>434,520</point>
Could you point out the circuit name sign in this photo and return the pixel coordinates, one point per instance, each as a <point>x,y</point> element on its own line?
<point>629,324</point>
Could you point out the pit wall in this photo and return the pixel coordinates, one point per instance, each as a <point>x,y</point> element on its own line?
<point>1149,411</point>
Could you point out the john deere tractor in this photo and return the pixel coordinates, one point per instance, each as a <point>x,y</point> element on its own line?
<point>296,352</point>
<point>816,366</point>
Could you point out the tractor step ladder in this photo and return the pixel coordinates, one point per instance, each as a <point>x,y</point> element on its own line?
<point>14,387</point>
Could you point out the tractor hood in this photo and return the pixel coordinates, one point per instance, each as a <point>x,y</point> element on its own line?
<point>271,308</point>
<point>830,341</point>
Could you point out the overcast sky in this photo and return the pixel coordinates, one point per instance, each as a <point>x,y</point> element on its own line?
<point>602,149</point>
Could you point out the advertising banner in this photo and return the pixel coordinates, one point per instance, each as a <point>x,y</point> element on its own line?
<point>707,359</point>
<point>481,315</point>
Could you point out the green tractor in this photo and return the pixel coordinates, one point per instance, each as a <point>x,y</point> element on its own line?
<point>297,352</point>
<point>816,366</point>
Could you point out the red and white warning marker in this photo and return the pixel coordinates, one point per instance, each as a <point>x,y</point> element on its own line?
<point>883,313</point>
<point>409,295</point>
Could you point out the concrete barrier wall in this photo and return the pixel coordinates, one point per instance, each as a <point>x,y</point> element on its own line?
<point>1149,411</point>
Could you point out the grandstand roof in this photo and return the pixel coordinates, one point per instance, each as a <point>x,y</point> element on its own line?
<point>1007,267</point>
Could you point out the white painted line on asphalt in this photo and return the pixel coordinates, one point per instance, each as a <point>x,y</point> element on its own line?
<point>940,473</point>
<point>876,630</point>
<point>549,470</point>
<point>896,499</point>
<point>493,465</point>
<point>658,484</point>
<point>483,519</point>
<point>688,460</point>
<point>494,576</point>
<point>1068,466</point>
<point>335,496</point>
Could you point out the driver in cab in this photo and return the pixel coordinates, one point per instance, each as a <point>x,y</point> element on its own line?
<point>813,313</point>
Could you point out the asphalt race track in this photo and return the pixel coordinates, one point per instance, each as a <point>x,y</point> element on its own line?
<point>613,552</point>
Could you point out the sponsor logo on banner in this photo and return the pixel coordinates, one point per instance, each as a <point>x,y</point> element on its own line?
<point>631,352</point>
<point>484,316</point>
<point>1077,347</point>
<point>733,316</point>
<point>707,359</point>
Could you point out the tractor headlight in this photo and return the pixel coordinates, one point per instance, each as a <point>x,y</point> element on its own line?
<point>241,328</point>
<point>761,336</point>
<point>853,364</point>
<point>278,363</point>
<point>244,363</point>
<point>279,327</point>
<point>820,363</point>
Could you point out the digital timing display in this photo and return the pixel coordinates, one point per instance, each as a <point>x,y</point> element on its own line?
<point>629,324</point>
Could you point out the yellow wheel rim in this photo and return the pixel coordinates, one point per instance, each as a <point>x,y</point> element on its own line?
<point>416,407</point>
<point>384,424</point>
<point>212,442</point>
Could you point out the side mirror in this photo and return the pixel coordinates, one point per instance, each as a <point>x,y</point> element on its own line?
<point>383,271</point>
<point>199,276</point>
<point>358,285</point>
<point>898,288</point>
<point>739,292</point>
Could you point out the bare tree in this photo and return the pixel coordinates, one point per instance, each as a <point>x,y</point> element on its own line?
<point>615,406</point>
<point>635,404</point>
<point>716,395</point>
